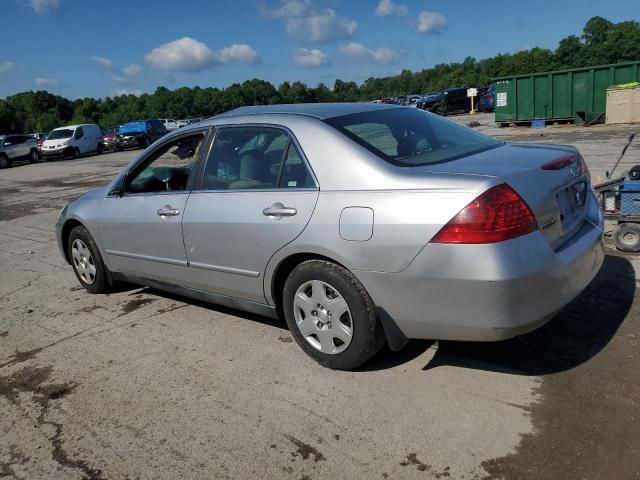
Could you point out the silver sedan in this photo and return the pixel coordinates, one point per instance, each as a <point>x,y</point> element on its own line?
<point>357,223</point>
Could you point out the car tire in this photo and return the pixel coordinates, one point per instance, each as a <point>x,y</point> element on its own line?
<point>146,142</point>
<point>628,237</point>
<point>100,149</point>
<point>4,162</point>
<point>75,153</point>
<point>34,156</point>
<point>334,337</point>
<point>86,261</point>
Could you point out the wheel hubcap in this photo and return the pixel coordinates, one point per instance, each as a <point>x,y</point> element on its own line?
<point>323,317</point>
<point>629,238</point>
<point>83,261</point>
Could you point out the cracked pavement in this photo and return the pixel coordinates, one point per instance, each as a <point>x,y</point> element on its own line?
<point>141,384</point>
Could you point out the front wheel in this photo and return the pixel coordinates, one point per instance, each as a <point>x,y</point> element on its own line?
<point>331,315</point>
<point>4,162</point>
<point>75,153</point>
<point>86,261</point>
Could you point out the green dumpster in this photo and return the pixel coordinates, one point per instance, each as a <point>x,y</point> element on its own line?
<point>559,95</point>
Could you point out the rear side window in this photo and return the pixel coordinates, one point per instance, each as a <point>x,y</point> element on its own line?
<point>411,137</point>
<point>295,173</point>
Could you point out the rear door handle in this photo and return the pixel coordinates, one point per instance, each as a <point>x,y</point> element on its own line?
<point>167,211</point>
<point>279,210</point>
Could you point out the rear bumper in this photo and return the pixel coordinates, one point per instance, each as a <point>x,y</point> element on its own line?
<point>488,292</point>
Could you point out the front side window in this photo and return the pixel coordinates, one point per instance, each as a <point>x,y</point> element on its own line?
<point>168,167</point>
<point>245,158</point>
<point>411,137</point>
<point>79,132</point>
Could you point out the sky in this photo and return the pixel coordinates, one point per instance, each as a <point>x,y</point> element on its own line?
<point>94,48</point>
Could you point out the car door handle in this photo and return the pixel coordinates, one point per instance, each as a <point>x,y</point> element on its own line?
<point>279,210</point>
<point>167,211</point>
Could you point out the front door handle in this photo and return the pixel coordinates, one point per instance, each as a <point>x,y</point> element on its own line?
<point>167,211</point>
<point>279,210</point>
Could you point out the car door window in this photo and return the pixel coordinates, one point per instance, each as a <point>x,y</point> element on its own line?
<point>245,158</point>
<point>168,167</point>
<point>79,133</point>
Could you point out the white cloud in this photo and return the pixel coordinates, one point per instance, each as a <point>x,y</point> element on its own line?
<point>241,53</point>
<point>44,6</point>
<point>6,66</point>
<point>304,21</point>
<point>105,62</point>
<point>310,58</point>
<point>46,82</point>
<point>189,55</point>
<point>357,51</point>
<point>184,54</point>
<point>119,79</point>
<point>430,22</point>
<point>132,69</point>
<point>388,7</point>
<point>135,92</point>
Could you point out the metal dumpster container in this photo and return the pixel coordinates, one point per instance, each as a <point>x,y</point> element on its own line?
<point>560,94</point>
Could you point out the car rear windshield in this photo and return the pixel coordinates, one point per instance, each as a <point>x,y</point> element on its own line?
<point>60,134</point>
<point>410,137</point>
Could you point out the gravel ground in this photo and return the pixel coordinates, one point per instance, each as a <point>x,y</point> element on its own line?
<point>141,384</point>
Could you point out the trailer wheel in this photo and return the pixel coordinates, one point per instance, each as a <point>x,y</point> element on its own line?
<point>628,237</point>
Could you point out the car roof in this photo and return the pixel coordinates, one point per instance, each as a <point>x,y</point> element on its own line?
<point>321,111</point>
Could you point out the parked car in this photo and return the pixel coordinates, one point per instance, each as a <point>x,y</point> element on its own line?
<point>170,124</point>
<point>139,134</point>
<point>183,123</point>
<point>72,141</point>
<point>40,138</point>
<point>108,139</point>
<point>487,101</point>
<point>359,223</point>
<point>413,99</point>
<point>452,100</point>
<point>14,148</point>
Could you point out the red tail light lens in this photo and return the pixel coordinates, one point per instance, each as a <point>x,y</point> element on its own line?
<point>498,214</point>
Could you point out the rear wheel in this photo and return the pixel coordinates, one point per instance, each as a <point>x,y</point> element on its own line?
<point>331,315</point>
<point>86,261</point>
<point>628,237</point>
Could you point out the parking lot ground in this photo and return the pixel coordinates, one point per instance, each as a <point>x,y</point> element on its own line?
<point>141,384</point>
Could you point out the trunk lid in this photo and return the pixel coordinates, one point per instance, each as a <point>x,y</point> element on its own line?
<point>558,198</point>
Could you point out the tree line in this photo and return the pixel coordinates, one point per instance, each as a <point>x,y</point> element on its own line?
<point>601,42</point>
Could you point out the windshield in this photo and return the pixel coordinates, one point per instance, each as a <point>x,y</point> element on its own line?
<point>60,134</point>
<point>132,127</point>
<point>411,137</point>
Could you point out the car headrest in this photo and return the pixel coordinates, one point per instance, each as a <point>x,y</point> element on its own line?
<point>412,144</point>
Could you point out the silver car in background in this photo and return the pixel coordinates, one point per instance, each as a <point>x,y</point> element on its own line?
<point>358,223</point>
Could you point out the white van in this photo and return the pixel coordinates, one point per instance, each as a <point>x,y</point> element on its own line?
<point>72,141</point>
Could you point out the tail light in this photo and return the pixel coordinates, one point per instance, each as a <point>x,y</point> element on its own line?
<point>497,215</point>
